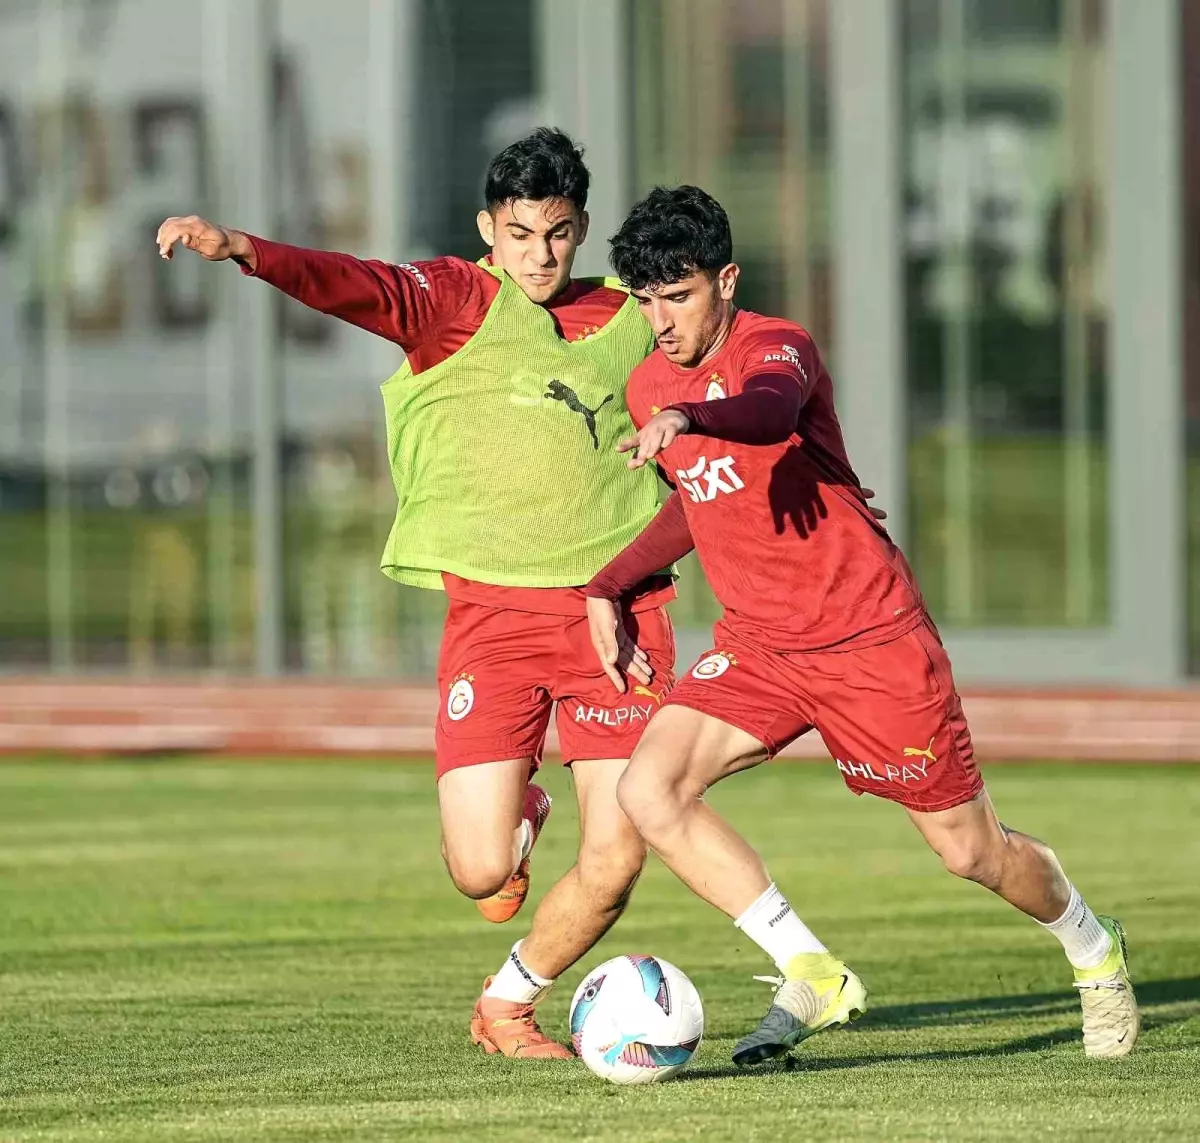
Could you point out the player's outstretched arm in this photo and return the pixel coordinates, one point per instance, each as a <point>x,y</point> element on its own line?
<point>764,413</point>
<point>403,303</point>
<point>664,540</point>
<point>216,243</point>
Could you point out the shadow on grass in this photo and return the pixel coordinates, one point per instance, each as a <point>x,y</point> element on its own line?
<point>1152,994</point>
<point>805,1063</point>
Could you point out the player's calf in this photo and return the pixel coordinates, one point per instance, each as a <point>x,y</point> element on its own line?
<point>607,879</point>
<point>973,844</point>
<point>504,904</point>
<point>577,911</point>
<point>589,898</point>
<point>490,815</point>
<point>1027,874</point>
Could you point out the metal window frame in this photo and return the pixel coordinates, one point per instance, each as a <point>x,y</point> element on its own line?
<point>584,70</point>
<point>243,35</point>
<point>1145,642</point>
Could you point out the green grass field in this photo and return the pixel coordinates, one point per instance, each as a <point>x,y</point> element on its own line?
<point>222,951</point>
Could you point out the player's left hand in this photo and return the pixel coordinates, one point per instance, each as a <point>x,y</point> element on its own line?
<point>655,435</point>
<point>616,651</point>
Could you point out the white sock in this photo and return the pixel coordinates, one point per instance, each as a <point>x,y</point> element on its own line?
<point>772,924</point>
<point>1085,940</point>
<point>525,831</point>
<point>517,982</point>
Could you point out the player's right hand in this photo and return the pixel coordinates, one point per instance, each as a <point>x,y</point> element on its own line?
<point>615,650</point>
<point>207,239</point>
<point>654,436</point>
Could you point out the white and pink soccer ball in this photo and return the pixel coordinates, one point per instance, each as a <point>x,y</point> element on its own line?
<point>636,1019</point>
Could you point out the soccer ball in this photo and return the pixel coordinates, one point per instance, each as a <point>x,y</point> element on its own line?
<point>636,1019</point>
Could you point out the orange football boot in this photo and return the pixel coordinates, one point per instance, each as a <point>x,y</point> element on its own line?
<point>506,903</point>
<point>510,1029</point>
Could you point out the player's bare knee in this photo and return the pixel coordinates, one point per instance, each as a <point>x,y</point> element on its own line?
<point>478,884</point>
<point>478,876</point>
<point>649,797</point>
<point>973,860</point>
<point>634,793</point>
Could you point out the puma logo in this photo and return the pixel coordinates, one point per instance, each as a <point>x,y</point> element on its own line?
<point>914,752</point>
<point>557,391</point>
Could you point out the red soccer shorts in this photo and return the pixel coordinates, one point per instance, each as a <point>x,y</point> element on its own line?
<point>500,671</point>
<point>889,714</point>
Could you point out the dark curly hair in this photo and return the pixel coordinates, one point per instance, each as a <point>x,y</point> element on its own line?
<point>545,164</point>
<point>671,233</point>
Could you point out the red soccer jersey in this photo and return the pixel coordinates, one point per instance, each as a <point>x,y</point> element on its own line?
<point>783,531</point>
<point>431,310</point>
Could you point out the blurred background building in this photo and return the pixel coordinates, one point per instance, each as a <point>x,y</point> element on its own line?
<point>983,209</point>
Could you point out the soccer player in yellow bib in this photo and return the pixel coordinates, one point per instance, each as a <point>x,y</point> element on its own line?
<point>502,433</point>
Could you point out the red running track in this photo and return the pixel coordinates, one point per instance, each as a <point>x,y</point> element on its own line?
<point>237,716</point>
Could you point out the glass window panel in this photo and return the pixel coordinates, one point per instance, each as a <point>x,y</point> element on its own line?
<point>24,584</point>
<point>1007,310</point>
<point>734,98</point>
<point>475,86</point>
<point>122,498</point>
<point>24,540</point>
<point>338,610</point>
<point>1190,110</point>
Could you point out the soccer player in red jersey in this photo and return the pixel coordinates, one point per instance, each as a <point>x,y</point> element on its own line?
<point>823,627</point>
<point>509,653</point>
